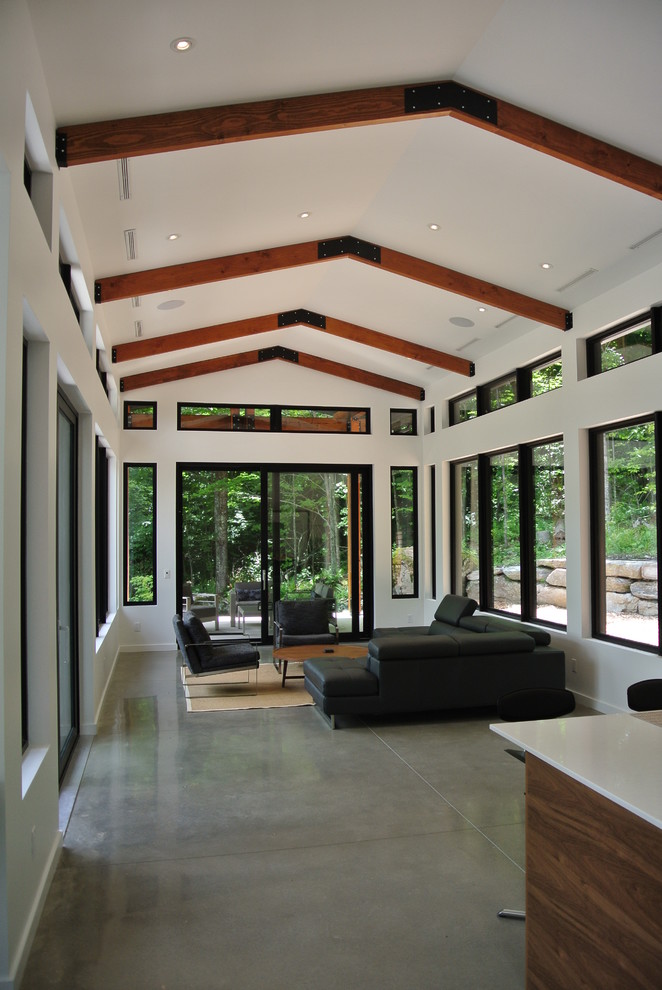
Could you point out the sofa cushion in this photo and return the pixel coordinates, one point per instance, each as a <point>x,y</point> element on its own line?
<point>437,628</point>
<point>248,591</point>
<point>199,635</point>
<point>452,608</point>
<point>405,648</point>
<point>494,623</point>
<point>340,677</point>
<point>496,643</point>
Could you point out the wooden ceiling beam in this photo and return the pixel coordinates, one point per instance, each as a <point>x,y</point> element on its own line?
<point>79,144</point>
<point>195,369</point>
<point>470,287</point>
<point>134,350</point>
<point>173,277</point>
<point>395,345</point>
<point>183,276</point>
<point>149,347</point>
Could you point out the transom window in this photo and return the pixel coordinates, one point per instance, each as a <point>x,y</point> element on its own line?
<point>274,419</point>
<point>630,341</point>
<point>523,383</point>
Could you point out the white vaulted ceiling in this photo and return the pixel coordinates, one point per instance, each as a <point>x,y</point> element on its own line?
<point>502,208</point>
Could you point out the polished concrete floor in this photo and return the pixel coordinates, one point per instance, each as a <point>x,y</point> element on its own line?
<point>254,849</point>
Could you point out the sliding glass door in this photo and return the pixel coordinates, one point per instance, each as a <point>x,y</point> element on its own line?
<point>250,535</point>
<point>67,581</point>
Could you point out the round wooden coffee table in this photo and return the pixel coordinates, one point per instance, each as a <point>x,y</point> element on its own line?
<point>297,654</point>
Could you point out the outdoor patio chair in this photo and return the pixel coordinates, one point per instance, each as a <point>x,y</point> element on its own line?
<point>201,604</point>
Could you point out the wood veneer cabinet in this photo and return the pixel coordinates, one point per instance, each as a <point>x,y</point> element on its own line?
<point>593,851</point>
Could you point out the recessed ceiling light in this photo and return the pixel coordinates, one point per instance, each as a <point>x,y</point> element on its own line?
<point>304,215</point>
<point>434,226</point>
<point>173,237</point>
<point>482,309</point>
<point>546,266</point>
<point>182,44</point>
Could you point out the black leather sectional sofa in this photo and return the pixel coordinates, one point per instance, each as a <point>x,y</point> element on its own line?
<point>461,660</point>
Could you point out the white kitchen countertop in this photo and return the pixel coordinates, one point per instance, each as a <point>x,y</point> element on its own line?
<point>619,756</point>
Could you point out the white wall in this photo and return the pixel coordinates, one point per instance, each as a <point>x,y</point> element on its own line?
<point>33,302</point>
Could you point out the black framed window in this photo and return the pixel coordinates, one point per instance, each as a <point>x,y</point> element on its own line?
<point>523,383</point>
<point>497,394</point>
<point>27,175</point>
<point>140,415</point>
<point>65,275</point>
<point>465,561</point>
<point>103,375</point>
<point>403,422</point>
<point>315,420</point>
<point>546,376</point>
<point>140,534</point>
<point>433,530</point>
<point>626,542</point>
<point>404,532</point>
<point>629,341</point>
<point>504,542</point>
<point>101,532</point>
<point>508,531</point>
<point>23,576</point>
<point>275,419</point>
<point>463,407</point>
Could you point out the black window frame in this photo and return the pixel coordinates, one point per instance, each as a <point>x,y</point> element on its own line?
<point>25,695</point>
<point>125,515</point>
<point>413,431</point>
<point>522,378</point>
<point>65,275</point>
<point>131,407</point>
<point>597,530</point>
<point>101,532</point>
<point>594,343</point>
<point>275,418</point>
<point>527,549</point>
<point>415,528</point>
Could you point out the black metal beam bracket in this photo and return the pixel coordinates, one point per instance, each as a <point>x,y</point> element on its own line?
<point>450,96</point>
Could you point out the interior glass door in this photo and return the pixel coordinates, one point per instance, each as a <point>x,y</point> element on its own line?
<point>249,536</point>
<point>67,582</point>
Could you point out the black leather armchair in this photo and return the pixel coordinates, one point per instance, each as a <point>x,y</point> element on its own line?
<point>203,655</point>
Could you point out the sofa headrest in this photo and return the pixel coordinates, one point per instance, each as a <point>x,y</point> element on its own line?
<point>452,608</point>
<point>403,648</point>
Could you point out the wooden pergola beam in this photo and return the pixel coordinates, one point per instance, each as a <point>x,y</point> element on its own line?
<point>78,144</point>
<point>149,347</point>
<point>173,277</point>
<point>245,359</point>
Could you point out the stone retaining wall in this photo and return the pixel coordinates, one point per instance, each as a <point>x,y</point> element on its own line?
<point>631,585</point>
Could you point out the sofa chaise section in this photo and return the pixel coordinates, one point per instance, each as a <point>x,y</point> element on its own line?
<point>467,663</point>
